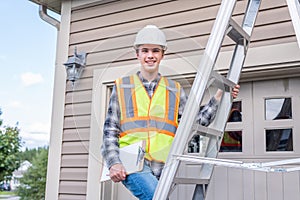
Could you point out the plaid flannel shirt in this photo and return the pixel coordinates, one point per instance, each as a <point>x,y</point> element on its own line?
<point>111,130</point>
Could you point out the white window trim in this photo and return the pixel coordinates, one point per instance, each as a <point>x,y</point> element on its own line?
<point>260,124</point>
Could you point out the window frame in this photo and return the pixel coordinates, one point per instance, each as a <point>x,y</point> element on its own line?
<point>274,89</point>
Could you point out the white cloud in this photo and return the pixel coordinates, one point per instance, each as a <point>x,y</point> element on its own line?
<point>35,135</point>
<point>14,104</point>
<point>39,127</point>
<point>30,78</point>
<point>34,140</point>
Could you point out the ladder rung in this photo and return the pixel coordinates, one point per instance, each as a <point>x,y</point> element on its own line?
<point>203,130</point>
<point>179,180</point>
<point>221,81</point>
<point>236,32</point>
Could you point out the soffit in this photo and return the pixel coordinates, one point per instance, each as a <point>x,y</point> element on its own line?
<point>54,5</point>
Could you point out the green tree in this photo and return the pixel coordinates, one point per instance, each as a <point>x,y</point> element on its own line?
<point>10,144</point>
<point>29,154</point>
<point>33,183</point>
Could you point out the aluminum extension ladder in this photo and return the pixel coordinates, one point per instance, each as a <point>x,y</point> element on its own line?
<point>224,25</point>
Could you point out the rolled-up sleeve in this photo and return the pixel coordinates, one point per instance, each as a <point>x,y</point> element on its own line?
<point>111,132</point>
<point>206,113</point>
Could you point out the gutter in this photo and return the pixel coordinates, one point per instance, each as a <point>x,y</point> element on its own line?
<point>47,18</point>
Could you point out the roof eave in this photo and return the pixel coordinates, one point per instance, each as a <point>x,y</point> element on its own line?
<point>53,5</point>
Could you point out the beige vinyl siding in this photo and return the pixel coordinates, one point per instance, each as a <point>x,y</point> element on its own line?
<point>72,187</point>
<point>250,185</point>
<point>72,197</point>
<point>82,134</point>
<point>94,34</point>
<point>78,97</point>
<point>77,161</point>
<point>106,32</point>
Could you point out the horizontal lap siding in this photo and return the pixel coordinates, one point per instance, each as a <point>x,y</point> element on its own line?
<point>75,160</point>
<point>238,184</point>
<point>78,109</point>
<point>72,197</point>
<point>72,187</point>
<point>78,97</point>
<point>74,174</point>
<point>188,33</point>
<point>106,32</point>
<point>76,134</point>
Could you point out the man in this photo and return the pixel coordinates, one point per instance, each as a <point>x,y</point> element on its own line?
<point>147,106</point>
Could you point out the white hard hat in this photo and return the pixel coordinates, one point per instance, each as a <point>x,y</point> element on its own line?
<point>150,34</point>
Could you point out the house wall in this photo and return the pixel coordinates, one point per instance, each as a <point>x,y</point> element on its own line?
<point>106,30</point>
<point>57,120</point>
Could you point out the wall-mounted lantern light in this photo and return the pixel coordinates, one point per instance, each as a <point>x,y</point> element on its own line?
<point>75,65</point>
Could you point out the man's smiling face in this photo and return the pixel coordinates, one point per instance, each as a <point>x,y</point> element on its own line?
<point>150,56</point>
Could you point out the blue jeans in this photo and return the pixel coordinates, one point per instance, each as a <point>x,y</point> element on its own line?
<point>141,184</point>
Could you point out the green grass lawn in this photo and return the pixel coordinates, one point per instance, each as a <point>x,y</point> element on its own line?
<point>7,193</point>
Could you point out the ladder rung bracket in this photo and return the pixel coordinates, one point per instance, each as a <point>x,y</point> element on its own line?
<point>205,131</point>
<point>236,32</point>
<point>222,82</point>
<point>179,180</point>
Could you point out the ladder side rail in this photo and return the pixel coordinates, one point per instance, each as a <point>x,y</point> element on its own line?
<point>233,75</point>
<point>241,48</point>
<point>281,162</point>
<point>294,9</point>
<point>264,167</point>
<point>235,68</point>
<point>293,169</point>
<point>193,103</point>
<point>236,65</point>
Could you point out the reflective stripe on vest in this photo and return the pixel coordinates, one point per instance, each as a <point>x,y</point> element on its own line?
<point>151,119</point>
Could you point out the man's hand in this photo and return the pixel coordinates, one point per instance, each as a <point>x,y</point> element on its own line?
<point>117,173</point>
<point>235,91</point>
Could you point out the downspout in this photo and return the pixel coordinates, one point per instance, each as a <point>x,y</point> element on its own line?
<point>57,116</point>
<point>47,18</point>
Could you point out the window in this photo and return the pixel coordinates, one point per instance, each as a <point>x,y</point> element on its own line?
<point>193,146</point>
<point>236,112</point>
<point>278,108</point>
<point>198,144</point>
<point>275,118</point>
<point>232,140</point>
<point>279,140</point>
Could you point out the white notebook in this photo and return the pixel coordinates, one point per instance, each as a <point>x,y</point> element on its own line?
<point>132,157</point>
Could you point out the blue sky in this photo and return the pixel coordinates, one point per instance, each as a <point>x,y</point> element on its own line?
<point>27,57</point>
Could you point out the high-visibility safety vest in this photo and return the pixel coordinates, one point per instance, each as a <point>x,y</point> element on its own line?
<point>154,120</point>
<point>232,140</point>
